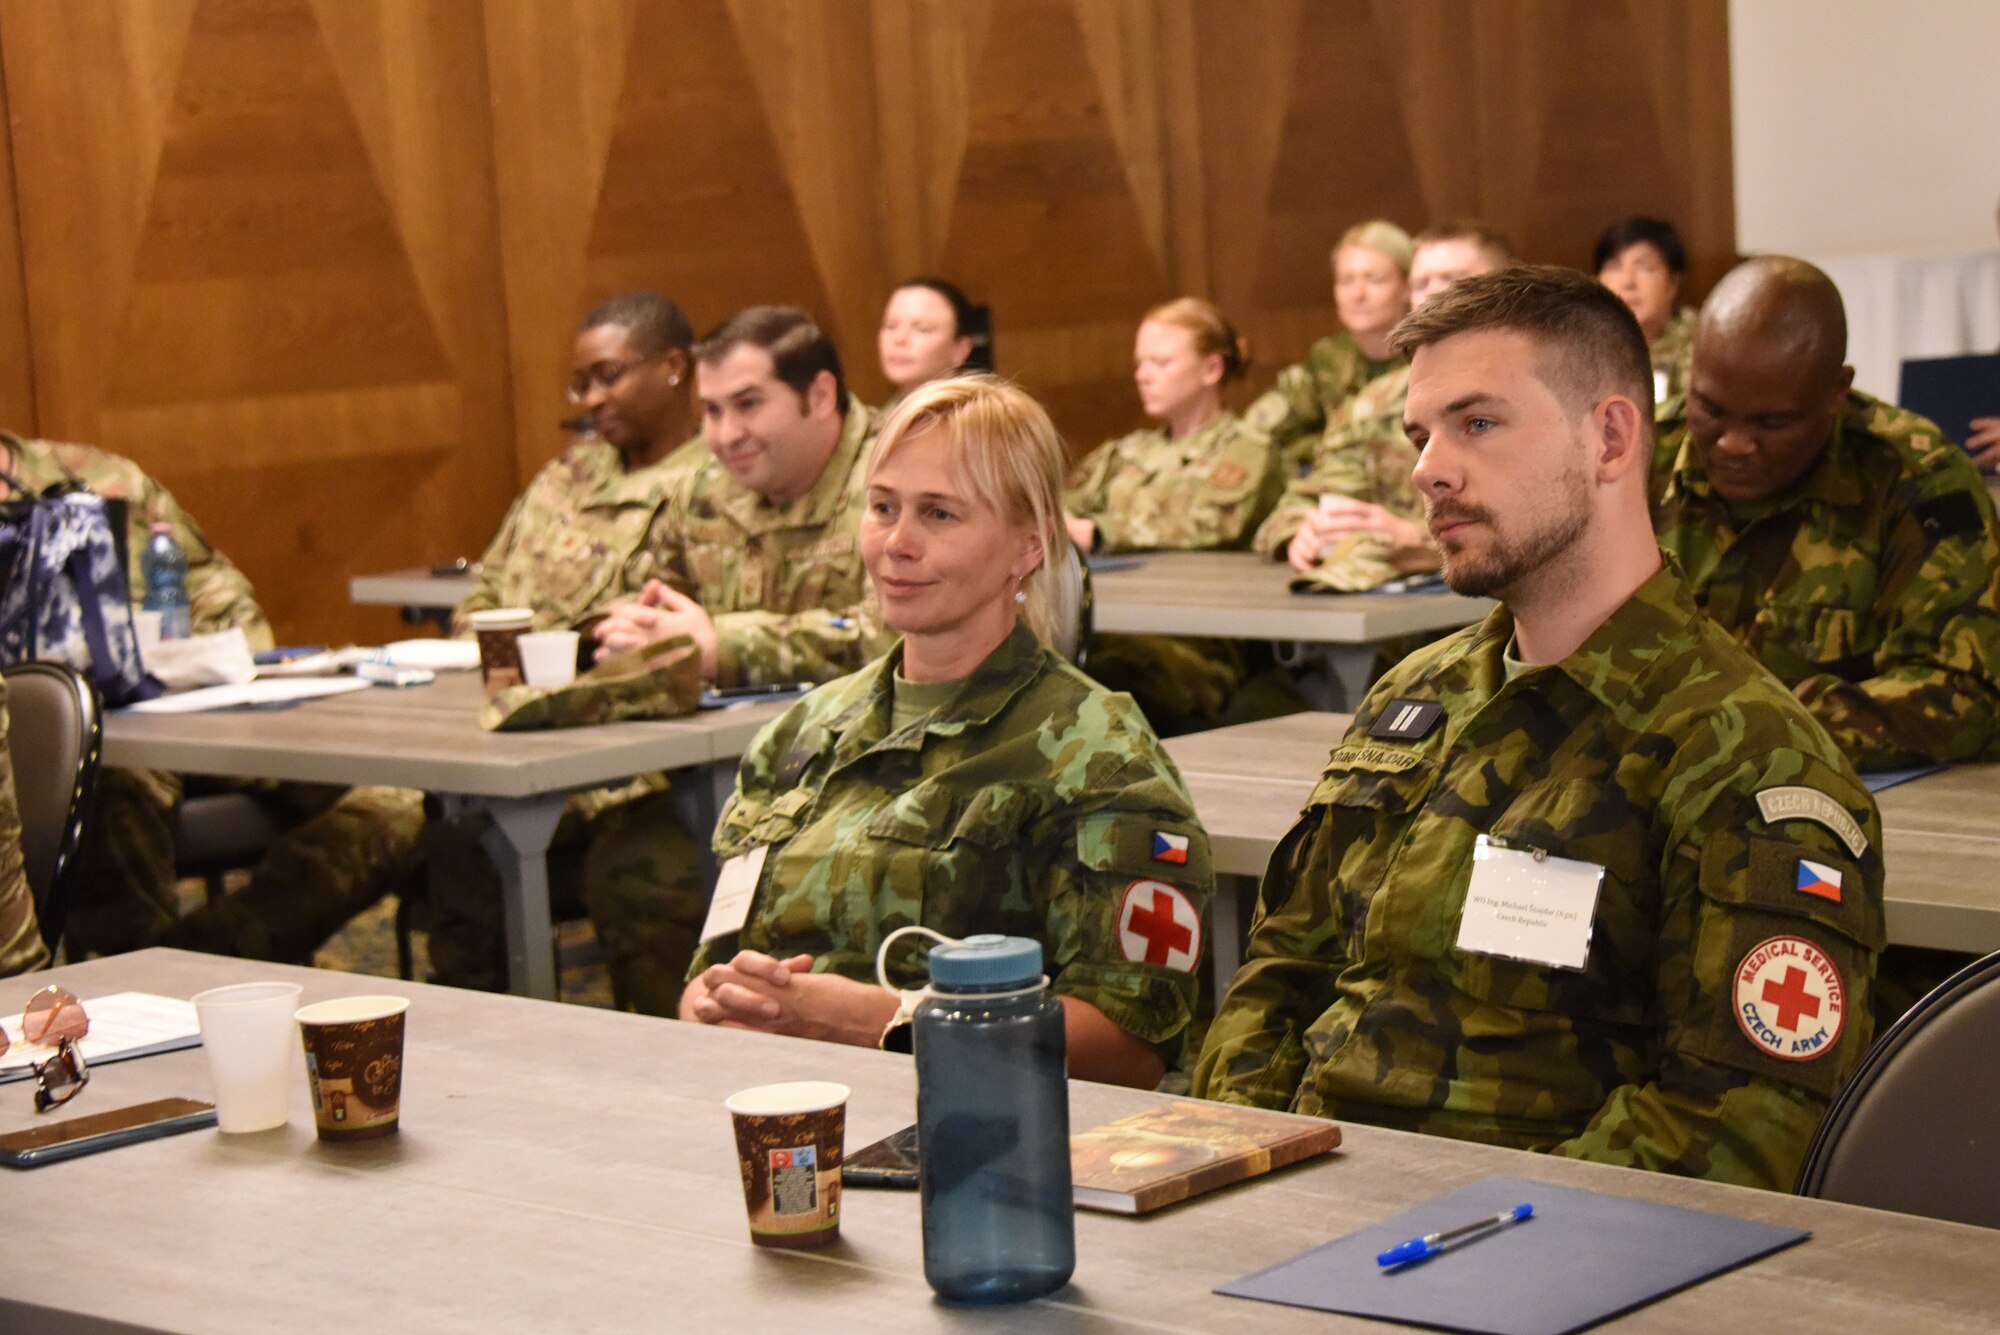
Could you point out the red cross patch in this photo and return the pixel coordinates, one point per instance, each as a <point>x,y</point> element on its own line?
<point>1157,924</point>
<point>1790,1000</point>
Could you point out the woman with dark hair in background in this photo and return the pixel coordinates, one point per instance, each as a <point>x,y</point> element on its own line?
<point>930,329</point>
<point>1642,260</point>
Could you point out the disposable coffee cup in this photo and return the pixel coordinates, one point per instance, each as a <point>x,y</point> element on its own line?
<point>354,1065</point>
<point>246,1030</point>
<point>499,632</point>
<point>548,657</point>
<point>788,1152</point>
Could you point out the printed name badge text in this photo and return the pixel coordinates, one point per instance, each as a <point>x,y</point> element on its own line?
<point>735,886</point>
<point>1528,907</point>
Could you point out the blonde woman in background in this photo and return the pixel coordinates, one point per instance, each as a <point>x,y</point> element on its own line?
<point>1371,291</point>
<point>1201,479</point>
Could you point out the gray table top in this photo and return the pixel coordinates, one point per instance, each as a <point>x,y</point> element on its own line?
<point>1940,833</point>
<point>1241,595</point>
<point>567,1168</point>
<point>422,737</point>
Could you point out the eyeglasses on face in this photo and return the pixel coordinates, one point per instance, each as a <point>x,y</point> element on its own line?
<point>54,1017</point>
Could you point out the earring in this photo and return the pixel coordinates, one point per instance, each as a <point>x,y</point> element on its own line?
<point>1020,595</point>
<point>673,380</point>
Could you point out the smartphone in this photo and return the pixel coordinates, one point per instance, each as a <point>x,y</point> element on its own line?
<point>889,1162</point>
<point>77,1136</point>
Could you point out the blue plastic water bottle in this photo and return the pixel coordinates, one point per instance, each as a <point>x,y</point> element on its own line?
<point>993,1125</point>
<point>165,568</point>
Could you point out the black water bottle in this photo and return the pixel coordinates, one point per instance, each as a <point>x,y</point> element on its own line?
<point>993,1125</point>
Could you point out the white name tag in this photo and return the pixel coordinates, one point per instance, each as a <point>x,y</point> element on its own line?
<point>734,889</point>
<point>1529,906</point>
<point>1661,381</point>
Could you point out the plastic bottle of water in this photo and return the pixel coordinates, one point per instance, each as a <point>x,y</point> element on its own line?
<point>993,1125</point>
<point>165,567</point>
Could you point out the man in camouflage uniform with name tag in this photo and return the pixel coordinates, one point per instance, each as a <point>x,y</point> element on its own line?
<point>758,562</point>
<point>1583,878</point>
<point>312,878</point>
<point>1846,543</point>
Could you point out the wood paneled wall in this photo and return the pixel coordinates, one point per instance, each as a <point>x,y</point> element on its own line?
<point>315,263</point>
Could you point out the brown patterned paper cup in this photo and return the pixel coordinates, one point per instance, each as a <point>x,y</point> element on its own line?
<point>354,1065</point>
<point>788,1144</point>
<point>499,632</point>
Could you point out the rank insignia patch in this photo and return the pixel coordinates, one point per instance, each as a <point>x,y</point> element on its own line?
<point>1406,720</point>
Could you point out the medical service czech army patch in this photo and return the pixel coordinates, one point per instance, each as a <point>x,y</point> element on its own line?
<point>1158,924</point>
<point>1790,1000</point>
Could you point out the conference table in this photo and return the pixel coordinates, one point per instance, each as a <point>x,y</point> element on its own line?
<point>429,737</point>
<point>1940,834</point>
<point>568,1168</point>
<point>1222,595</point>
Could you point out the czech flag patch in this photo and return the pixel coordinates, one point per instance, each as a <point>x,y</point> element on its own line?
<point>1816,878</point>
<point>1173,848</point>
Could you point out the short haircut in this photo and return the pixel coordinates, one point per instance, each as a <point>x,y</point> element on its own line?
<point>653,323</point>
<point>968,320</point>
<point>1468,229</point>
<point>1004,452</point>
<point>1626,232</point>
<point>1379,234</point>
<point>799,348</point>
<point>1214,336</point>
<point>1590,343</point>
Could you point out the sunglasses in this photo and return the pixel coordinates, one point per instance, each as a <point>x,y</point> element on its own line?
<point>55,1017</point>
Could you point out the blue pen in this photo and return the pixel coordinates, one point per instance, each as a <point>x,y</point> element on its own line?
<point>1430,1244</point>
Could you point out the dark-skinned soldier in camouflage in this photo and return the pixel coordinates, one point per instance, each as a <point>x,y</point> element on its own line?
<point>1371,291</point>
<point>313,879</point>
<point>1199,482</point>
<point>21,947</point>
<point>1718,991</point>
<point>1846,543</point>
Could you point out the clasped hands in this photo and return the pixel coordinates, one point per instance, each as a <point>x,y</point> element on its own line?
<point>1340,516</point>
<point>774,996</point>
<point>659,612</point>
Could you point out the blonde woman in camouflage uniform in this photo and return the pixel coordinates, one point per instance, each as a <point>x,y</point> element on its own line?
<point>1200,480</point>
<point>969,781</point>
<point>1371,291</point>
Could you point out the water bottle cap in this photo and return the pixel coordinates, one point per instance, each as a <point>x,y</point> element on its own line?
<point>161,526</point>
<point>987,961</point>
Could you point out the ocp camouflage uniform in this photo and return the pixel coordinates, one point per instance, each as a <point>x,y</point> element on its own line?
<point>1871,587</point>
<point>313,879</point>
<point>1028,801</point>
<point>1309,394</point>
<point>21,947</point>
<point>1363,454</point>
<point>1658,751</point>
<point>580,537</point>
<point>1146,492</point>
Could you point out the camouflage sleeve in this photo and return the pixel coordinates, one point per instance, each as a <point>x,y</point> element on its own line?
<point>1931,691</point>
<point>1087,494</point>
<point>1770,924</point>
<point>1217,507</point>
<point>485,593</point>
<point>1289,411</point>
<point>818,644</point>
<point>1129,886</point>
<point>21,947</point>
<point>1275,534</point>
<point>219,595</point>
<point>1255,1050</point>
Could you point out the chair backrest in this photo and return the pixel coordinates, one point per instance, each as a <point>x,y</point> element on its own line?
<point>1072,602</point>
<point>55,733</point>
<point>1915,1130</point>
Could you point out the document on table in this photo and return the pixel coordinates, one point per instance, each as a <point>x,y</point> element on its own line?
<point>1584,1256</point>
<point>265,691</point>
<point>122,1025</point>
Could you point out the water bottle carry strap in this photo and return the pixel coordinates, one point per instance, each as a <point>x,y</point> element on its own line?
<point>909,1001</point>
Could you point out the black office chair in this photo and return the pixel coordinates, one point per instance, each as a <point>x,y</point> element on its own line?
<point>1914,1131</point>
<point>55,737</point>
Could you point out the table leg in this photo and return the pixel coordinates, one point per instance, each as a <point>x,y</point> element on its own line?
<point>1350,665</point>
<point>516,836</point>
